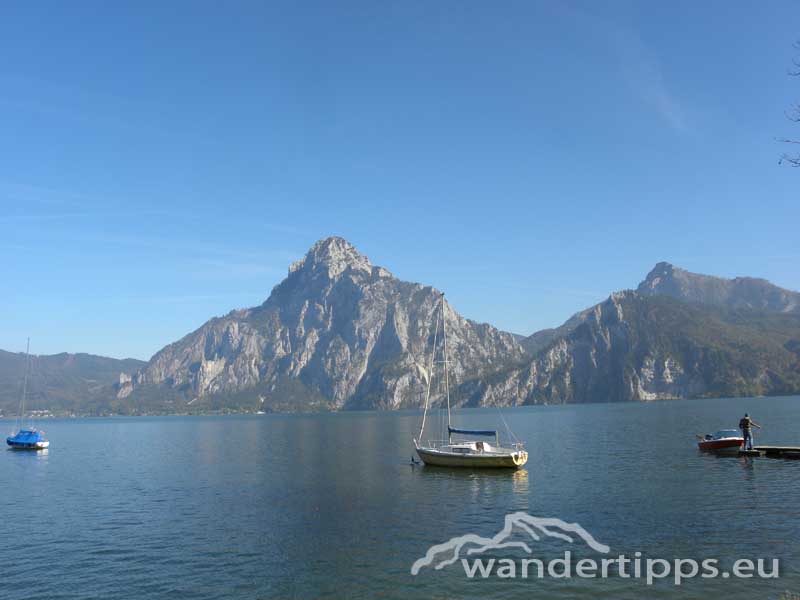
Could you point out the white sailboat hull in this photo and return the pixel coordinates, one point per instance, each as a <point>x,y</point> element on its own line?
<point>489,460</point>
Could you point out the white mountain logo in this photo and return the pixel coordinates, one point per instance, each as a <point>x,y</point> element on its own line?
<point>535,527</point>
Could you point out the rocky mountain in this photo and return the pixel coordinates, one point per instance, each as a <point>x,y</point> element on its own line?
<point>649,347</point>
<point>741,292</point>
<point>337,333</point>
<point>342,333</point>
<point>61,383</point>
<point>679,335</point>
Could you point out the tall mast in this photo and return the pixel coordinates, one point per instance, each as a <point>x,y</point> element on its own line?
<point>24,386</point>
<point>446,380</point>
<point>430,377</point>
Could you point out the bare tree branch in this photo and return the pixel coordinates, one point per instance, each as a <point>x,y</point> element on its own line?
<point>793,114</point>
<point>796,61</point>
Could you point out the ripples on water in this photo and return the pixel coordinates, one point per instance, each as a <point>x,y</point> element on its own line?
<point>328,505</point>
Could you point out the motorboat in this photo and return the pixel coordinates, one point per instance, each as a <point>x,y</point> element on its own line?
<point>723,441</point>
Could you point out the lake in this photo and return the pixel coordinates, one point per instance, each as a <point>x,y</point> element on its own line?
<point>328,505</point>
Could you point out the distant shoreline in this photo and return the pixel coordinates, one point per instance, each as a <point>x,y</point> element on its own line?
<point>233,413</point>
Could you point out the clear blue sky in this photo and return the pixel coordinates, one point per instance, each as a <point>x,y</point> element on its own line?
<point>164,162</point>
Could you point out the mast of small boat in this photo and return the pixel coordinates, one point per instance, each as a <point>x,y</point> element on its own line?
<point>430,375</point>
<point>446,380</point>
<point>21,417</point>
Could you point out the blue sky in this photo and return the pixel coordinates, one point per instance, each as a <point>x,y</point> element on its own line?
<point>164,162</point>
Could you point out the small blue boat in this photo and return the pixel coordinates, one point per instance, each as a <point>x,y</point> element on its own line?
<point>26,439</point>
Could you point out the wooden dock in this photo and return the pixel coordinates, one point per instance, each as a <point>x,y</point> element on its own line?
<point>773,451</point>
<point>754,452</point>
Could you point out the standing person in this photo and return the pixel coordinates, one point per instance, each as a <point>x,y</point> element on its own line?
<point>745,424</point>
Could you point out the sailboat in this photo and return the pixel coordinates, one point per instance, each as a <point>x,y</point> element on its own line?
<point>463,451</point>
<point>32,438</point>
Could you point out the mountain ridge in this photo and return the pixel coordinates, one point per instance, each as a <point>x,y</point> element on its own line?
<point>666,279</point>
<point>63,383</point>
<point>341,333</point>
<point>632,347</point>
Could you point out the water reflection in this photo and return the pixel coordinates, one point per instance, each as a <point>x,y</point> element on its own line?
<point>479,484</point>
<point>32,454</point>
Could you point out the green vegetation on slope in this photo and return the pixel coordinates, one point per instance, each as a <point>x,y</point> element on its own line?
<point>61,383</point>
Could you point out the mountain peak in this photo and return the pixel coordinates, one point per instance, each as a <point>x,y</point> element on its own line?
<point>334,255</point>
<point>661,269</point>
<point>743,292</point>
<point>663,266</point>
<point>666,279</point>
<point>337,332</point>
<point>660,277</point>
<point>332,242</point>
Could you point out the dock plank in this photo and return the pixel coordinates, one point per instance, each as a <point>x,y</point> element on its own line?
<point>779,451</point>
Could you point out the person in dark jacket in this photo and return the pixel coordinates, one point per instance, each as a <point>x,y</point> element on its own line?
<point>746,424</point>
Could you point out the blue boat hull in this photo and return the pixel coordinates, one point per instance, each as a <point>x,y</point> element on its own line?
<point>16,446</point>
<point>27,440</point>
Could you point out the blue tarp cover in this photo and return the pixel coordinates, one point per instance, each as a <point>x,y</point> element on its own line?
<point>25,437</point>
<point>473,431</point>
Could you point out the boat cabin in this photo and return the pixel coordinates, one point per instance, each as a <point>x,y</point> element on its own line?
<point>723,434</point>
<point>471,447</point>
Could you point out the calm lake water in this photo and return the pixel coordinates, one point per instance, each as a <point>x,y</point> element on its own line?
<point>328,505</point>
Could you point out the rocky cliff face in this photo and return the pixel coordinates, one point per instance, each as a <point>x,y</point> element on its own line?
<point>637,347</point>
<point>338,331</point>
<point>741,292</point>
